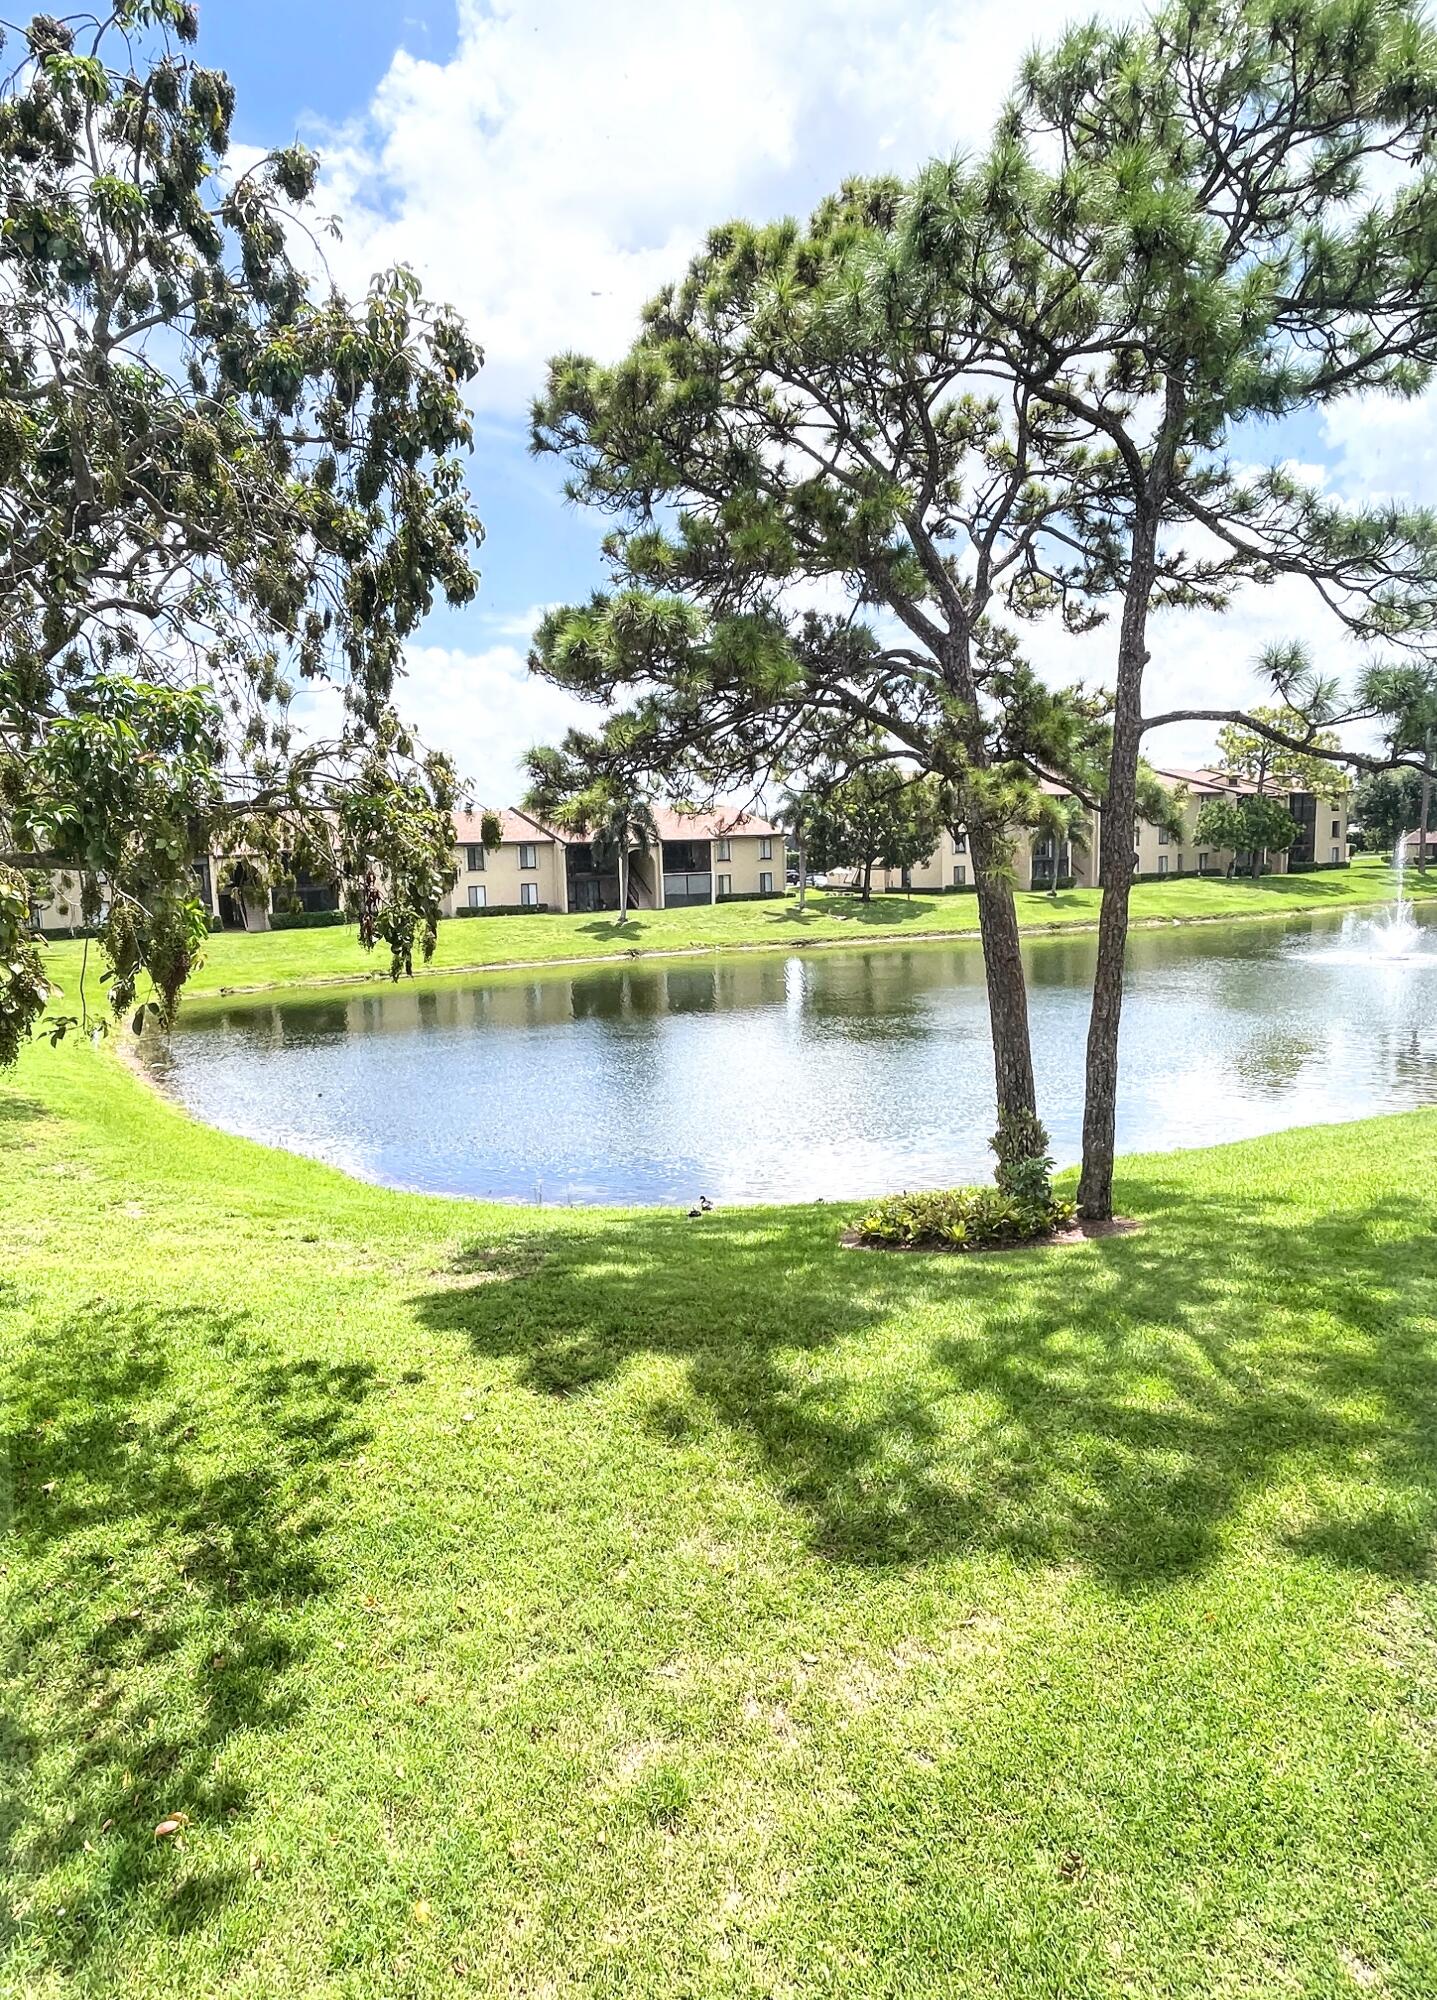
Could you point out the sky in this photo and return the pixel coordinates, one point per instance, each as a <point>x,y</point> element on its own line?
<point>545,165</point>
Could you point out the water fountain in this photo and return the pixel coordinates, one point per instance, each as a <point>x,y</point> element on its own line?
<point>1396,934</point>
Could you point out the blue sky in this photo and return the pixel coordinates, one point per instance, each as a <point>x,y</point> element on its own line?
<point>546,164</point>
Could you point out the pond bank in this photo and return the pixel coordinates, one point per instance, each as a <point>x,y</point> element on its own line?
<point>262,962</point>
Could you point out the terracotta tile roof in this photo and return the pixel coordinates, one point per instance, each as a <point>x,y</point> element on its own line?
<point>516,826</point>
<point>720,823</point>
<point>1207,780</point>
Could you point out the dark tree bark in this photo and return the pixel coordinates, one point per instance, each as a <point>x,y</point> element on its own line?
<point>1424,813</point>
<point>1007,984</point>
<point>1120,812</point>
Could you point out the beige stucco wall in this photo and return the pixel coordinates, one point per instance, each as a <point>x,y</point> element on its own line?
<point>747,864</point>
<point>62,911</point>
<point>501,877</point>
<point>1183,854</point>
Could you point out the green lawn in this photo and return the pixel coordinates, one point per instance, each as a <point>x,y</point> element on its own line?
<point>285,958</point>
<point>597,1604</point>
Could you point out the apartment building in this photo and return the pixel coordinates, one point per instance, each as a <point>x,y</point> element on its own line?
<point>1321,839</point>
<point>725,855</point>
<point>701,857</point>
<point>1039,862</point>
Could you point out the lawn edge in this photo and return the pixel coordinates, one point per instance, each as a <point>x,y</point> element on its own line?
<point>878,942</point>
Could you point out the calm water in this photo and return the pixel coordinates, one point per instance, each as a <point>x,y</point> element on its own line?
<point>785,1078</point>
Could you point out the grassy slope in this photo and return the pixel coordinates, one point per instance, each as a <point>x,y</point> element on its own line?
<point>293,957</point>
<point>612,1605</point>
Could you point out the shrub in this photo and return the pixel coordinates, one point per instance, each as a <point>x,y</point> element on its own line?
<point>306,920</point>
<point>976,1218</point>
<point>503,910</point>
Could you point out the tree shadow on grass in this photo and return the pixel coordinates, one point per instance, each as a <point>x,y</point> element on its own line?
<point>168,1534</point>
<point>16,1109</point>
<point>1116,1406</point>
<point>891,910</point>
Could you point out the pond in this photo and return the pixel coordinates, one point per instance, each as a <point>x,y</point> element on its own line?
<point>773,1077</point>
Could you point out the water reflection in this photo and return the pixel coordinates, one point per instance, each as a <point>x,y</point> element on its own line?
<point>818,1073</point>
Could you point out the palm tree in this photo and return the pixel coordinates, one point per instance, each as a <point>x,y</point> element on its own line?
<point>1065,823</point>
<point>618,821</point>
<point>796,807</point>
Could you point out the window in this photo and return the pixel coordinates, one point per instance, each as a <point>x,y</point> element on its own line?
<point>529,894</point>
<point>960,843</point>
<point>725,882</point>
<point>1202,864</point>
<point>1337,854</point>
<point>960,876</point>
<point>1337,829</point>
<point>721,851</point>
<point>1162,864</point>
<point>477,895</point>
<point>528,854</point>
<point>474,860</point>
<point>1162,836</point>
<point>683,888</point>
<point>765,883</point>
<point>765,849</point>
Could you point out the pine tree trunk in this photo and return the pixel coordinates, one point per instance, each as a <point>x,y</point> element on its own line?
<point>1007,983</point>
<point>1425,811</point>
<point>623,885</point>
<point>867,880</point>
<point>802,865</point>
<point>1120,812</point>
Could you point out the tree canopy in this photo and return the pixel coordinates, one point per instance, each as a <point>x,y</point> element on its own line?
<point>224,485</point>
<point>877,816</point>
<point>1220,216</point>
<point>1387,805</point>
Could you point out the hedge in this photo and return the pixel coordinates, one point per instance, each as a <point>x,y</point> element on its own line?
<point>306,920</point>
<point>504,910</point>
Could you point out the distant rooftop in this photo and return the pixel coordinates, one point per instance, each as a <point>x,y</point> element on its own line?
<point>674,823</point>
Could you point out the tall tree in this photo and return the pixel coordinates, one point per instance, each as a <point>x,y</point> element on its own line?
<point>792,415</point>
<point>878,816</point>
<point>1063,820</point>
<point>612,816</point>
<point>1245,751</point>
<point>1255,824</point>
<point>1387,806</point>
<point>1170,238</point>
<point>223,483</point>
<point>799,804</point>
<point>1406,697</point>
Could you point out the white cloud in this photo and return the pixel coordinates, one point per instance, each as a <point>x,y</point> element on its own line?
<point>486,710</point>
<point>567,159</point>
<point>1385,447</point>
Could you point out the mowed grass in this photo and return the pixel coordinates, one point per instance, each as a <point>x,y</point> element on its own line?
<point>236,960</point>
<point>602,1604</point>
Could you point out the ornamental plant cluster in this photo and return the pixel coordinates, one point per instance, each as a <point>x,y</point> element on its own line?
<point>1021,1208</point>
